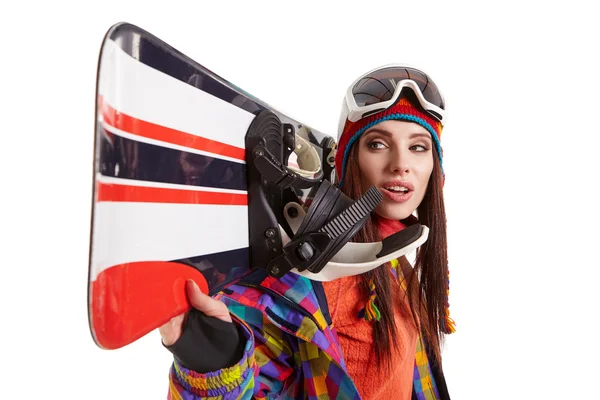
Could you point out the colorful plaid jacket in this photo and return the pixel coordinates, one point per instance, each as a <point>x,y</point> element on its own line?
<point>291,351</point>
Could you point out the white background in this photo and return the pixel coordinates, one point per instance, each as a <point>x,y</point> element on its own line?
<point>521,155</point>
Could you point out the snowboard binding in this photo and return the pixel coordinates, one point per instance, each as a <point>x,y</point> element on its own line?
<point>313,243</point>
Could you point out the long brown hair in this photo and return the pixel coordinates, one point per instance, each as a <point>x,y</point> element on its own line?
<point>426,282</point>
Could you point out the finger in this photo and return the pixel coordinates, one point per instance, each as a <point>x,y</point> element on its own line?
<point>171,331</point>
<point>206,304</point>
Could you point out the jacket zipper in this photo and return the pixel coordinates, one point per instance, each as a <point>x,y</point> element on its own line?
<point>287,301</point>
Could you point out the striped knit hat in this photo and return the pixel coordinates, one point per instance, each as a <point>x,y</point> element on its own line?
<point>403,110</point>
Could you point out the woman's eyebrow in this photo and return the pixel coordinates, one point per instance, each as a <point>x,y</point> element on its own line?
<point>378,130</point>
<point>423,135</point>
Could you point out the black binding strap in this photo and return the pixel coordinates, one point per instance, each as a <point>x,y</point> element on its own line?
<point>400,239</point>
<point>326,228</point>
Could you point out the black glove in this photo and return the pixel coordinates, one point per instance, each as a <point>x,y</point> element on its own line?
<point>208,344</point>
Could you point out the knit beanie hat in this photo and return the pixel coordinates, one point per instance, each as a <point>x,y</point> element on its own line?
<point>404,110</point>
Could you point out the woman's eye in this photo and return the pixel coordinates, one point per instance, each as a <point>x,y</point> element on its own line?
<point>419,147</point>
<point>376,145</point>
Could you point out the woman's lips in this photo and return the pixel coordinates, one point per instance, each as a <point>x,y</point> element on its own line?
<point>397,196</point>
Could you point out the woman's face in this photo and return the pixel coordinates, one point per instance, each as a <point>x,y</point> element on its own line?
<point>397,158</point>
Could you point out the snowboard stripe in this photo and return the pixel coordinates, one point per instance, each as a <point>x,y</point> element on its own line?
<point>139,127</point>
<point>125,232</point>
<point>113,192</point>
<point>169,61</point>
<point>125,181</point>
<point>142,92</point>
<point>123,156</point>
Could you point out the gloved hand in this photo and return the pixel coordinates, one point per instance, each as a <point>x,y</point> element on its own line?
<point>203,339</point>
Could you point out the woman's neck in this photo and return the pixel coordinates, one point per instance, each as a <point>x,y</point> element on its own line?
<point>388,227</point>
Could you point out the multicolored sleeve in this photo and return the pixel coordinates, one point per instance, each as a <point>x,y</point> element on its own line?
<point>233,383</point>
<point>261,373</point>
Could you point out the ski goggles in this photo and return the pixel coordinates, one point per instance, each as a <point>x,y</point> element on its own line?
<point>380,88</point>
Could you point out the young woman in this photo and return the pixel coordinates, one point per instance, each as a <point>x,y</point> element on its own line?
<point>371,336</point>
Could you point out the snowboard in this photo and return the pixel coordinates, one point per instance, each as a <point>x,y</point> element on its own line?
<point>170,190</point>
<point>196,179</point>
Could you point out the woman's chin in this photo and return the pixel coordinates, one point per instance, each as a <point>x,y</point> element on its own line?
<point>394,211</point>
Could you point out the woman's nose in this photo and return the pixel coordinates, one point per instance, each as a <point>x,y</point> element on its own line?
<point>399,162</point>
